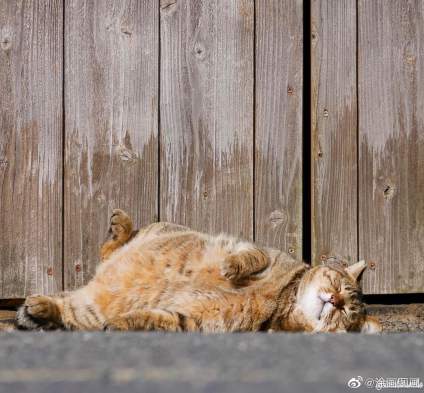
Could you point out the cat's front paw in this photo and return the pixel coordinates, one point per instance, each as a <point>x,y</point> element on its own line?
<point>40,307</point>
<point>37,312</point>
<point>120,225</point>
<point>231,268</point>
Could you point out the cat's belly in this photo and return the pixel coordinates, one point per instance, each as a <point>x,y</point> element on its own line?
<point>195,289</point>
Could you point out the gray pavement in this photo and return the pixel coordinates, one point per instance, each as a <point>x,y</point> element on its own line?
<point>151,362</point>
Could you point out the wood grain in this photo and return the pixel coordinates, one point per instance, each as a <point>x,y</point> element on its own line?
<point>278,118</point>
<point>207,115</point>
<point>391,137</point>
<point>227,154</point>
<point>111,103</point>
<point>334,130</point>
<point>30,147</point>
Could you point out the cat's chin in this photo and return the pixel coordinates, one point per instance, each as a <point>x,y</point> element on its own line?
<point>313,304</point>
<point>325,305</point>
<point>326,309</point>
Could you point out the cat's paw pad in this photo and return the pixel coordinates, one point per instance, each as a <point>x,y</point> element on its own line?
<point>120,224</point>
<point>36,313</point>
<point>231,268</point>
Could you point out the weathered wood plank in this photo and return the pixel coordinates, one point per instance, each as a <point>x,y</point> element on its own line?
<point>207,114</point>
<point>111,103</point>
<point>278,136</point>
<point>391,144</point>
<point>334,130</point>
<point>30,147</point>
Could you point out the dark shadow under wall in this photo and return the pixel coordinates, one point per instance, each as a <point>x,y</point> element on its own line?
<point>306,140</point>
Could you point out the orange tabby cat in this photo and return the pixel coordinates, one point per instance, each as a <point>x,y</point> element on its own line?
<point>168,277</point>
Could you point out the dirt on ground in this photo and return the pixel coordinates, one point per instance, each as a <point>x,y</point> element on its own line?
<point>399,318</point>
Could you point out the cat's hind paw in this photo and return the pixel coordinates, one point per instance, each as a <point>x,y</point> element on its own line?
<point>121,225</point>
<point>120,231</point>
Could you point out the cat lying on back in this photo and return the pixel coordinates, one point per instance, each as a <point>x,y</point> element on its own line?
<point>170,278</point>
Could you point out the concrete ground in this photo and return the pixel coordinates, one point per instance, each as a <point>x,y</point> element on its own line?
<point>64,362</point>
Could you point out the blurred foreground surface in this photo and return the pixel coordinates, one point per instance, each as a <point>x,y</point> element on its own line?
<point>62,362</point>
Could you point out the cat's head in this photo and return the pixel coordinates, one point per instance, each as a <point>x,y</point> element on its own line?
<point>329,298</point>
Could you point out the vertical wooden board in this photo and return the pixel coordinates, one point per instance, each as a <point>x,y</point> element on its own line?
<point>334,130</point>
<point>278,136</point>
<point>111,71</point>
<point>207,114</point>
<point>391,144</point>
<point>30,147</point>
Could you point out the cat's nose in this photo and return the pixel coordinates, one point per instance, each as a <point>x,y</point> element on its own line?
<point>337,300</point>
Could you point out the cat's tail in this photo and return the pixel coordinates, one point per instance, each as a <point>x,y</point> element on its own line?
<point>7,326</point>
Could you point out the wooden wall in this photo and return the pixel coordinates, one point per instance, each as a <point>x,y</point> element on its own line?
<point>368,138</point>
<point>31,144</point>
<point>192,112</point>
<point>111,123</point>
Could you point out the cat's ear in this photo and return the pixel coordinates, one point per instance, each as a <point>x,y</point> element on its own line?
<point>356,269</point>
<point>371,326</point>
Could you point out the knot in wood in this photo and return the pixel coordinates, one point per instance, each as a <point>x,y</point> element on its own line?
<point>6,43</point>
<point>126,154</point>
<point>168,6</point>
<point>389,191</point>
<point>199,51</point>
<point>277,218</point>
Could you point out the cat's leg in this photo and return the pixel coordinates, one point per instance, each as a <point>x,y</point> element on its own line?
<point>70,311</point>
<point>244,260</point>
<point>40,312</point>
<point>152,319</point>
<point>120,232</point>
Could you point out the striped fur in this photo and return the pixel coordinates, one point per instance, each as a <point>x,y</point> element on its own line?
<point>168,277</point>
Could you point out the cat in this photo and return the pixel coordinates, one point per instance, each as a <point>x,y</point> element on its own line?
<point>168,277</point>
